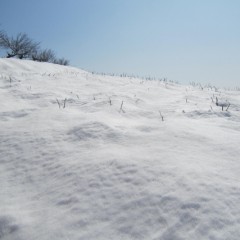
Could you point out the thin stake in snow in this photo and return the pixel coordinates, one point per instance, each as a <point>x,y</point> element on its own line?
<point>228,106</point>
<point>64,103</point>
<point>161,116</point>
<point>121,108</point>
<point>58,103</point>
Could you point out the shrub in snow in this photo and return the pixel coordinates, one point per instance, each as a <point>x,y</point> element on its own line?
<point>46,55</point>
<point>222,104</point>
<point>61,61</point>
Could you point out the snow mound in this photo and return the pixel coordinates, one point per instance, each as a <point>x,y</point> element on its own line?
<point>93,131</point>
<point>87,156</point>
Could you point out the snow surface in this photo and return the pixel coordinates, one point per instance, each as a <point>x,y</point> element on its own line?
<point>94,170</point>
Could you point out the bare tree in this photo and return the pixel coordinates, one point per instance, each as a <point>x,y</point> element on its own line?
<point>46,55</point>
<point>20,46</point>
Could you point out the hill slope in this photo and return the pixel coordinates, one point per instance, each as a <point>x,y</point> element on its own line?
<point>84,156</point>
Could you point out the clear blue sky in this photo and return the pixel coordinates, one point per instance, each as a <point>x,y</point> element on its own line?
<point>183,40</point>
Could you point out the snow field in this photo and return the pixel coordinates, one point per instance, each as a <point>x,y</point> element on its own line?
<point>91,170</point>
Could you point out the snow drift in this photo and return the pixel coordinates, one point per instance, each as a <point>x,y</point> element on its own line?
<point>86,156</point>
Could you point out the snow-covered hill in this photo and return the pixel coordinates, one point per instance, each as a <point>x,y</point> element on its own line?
<point>85,156</point>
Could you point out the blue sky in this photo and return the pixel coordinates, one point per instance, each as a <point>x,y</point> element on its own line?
<point>183,40</point>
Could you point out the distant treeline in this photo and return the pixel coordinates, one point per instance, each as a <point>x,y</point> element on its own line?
<point>23,47</point>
